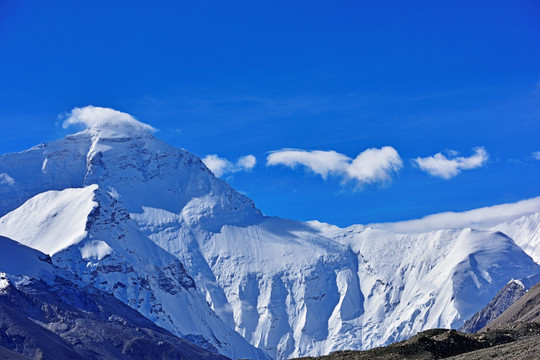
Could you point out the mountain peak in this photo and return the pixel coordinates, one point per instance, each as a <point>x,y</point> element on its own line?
<point>107,123</point>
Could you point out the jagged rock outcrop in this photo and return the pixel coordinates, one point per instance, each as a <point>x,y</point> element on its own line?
<point>507,296</point>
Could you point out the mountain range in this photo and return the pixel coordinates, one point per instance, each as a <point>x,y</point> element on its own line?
<point>133,217</point>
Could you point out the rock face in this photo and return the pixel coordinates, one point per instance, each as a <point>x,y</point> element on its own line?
<point>150,224</point>
<point>46,313</point>
<point>525,309</point>
<point>508,295</point>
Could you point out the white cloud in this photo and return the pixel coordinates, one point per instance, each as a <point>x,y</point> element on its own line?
<point>5,179</point>
<point>107,121</point>
<point>216,164</point>
<point>483,218</point>
<point>370,166</point>
<point>375,165</point>
<point>246,162</point>
<point>220,166</point>
<point>536,155</point>
<point>448,167</point>
<point>320,162</point>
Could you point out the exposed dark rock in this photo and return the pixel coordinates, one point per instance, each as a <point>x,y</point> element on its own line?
<point>526,309</point>
<point>66,321</point>
<point>508,295</point>
<point>502,301</point>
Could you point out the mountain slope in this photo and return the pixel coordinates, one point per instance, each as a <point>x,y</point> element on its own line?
<point>526,233</point>
<point>113,256</point>
<point>508,295</point>
<point>45,313</point>
<point>302,289</point>
<point>525,309</point>
<point>504,298</point>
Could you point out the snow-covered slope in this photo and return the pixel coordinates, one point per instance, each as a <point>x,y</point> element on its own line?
<point>287,287</point>
<point>297,289</point>
<point>21,261</point>
<point>526,233</point>
<point>114,256</point>
<point>57,217</point>
<point>47,313</point>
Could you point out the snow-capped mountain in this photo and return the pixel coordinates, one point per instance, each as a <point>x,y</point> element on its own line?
<point>107,251</point>
<point>47,313</point>
<point>151,224</point>
<point>525,231</point>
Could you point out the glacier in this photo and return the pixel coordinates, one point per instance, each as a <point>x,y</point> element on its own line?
<point>149,223</point>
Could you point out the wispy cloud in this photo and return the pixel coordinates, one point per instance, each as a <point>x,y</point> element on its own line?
<point>370,166</point>
<point>99,118</point>
<point>450,165</point>
<point>5,179</point>
<point>536,155</point>
<point>221,166</point>
<point>483,218</point>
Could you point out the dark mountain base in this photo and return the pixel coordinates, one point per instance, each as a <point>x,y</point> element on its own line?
<point>525,349</point>
<point>64,321</point>
<point>523,338</point>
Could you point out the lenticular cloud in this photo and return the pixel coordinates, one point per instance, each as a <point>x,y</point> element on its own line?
<point>105,119</point>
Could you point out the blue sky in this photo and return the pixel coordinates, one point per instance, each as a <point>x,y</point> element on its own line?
<point>237,78</point>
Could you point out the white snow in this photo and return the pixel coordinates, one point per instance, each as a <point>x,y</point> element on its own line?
<point>298,289</point>
<point>4,282</point>
<point>95,249</point>
<point>35,223</point>
<point>525,231</point>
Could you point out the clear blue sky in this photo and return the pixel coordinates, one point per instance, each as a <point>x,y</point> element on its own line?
<point>250,77</point>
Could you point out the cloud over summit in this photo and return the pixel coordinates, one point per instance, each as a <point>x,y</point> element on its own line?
<point>106,120</point>
<point>370,166</point>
